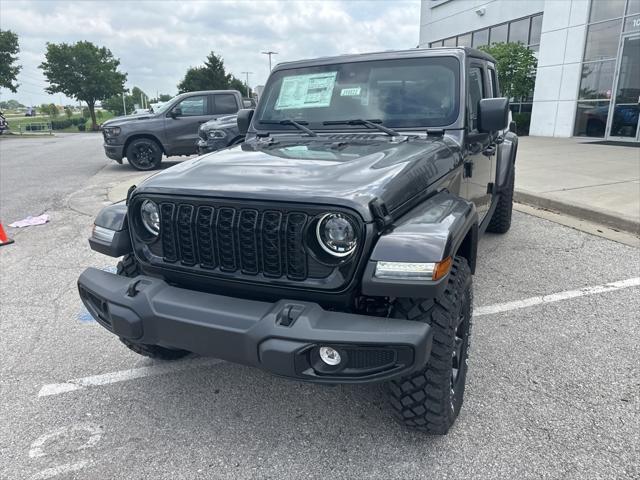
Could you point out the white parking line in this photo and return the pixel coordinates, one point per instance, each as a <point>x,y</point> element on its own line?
<point>161,369</point>
<point>124,375</point>
<point>555,297</point>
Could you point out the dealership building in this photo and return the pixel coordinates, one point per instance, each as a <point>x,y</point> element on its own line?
<point>588,75</point>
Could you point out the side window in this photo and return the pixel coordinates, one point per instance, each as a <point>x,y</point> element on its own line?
<point>494,83</point>
<point>476,87</point>
<point>193,106</point>
<point>225,104</point>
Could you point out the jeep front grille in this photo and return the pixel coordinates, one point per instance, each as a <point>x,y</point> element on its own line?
<point>248,240</point>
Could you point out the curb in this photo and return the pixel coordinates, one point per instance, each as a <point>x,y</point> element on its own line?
<point>119,191</point>
<point>604,218</point>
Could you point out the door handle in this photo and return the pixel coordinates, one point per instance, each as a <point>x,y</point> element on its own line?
<point>490,150</point>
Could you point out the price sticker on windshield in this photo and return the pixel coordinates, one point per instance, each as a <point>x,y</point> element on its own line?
<point>350,92</point>
<point>306,91</point>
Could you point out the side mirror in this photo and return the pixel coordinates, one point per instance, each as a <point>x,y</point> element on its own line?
<point>176,112</point>
<point>493,114</point>
<point>244,119</point>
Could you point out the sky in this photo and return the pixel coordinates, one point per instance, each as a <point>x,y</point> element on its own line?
<point>157,41</point>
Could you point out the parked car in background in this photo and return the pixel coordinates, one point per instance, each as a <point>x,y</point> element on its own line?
<point>171,130</point>
<point>219,133</point>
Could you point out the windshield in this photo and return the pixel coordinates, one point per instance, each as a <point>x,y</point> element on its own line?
<point>164,107</point>
<point>411,92</point>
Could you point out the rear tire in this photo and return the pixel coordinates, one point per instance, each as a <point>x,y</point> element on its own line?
<point>144,154</point>
<point>430,399</point>
<point>128,267</point>
<point>501,219</point>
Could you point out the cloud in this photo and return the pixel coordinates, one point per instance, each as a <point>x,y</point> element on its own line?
<point>156,41</point>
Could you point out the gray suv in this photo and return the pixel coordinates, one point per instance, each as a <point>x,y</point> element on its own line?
<point>170,130</point>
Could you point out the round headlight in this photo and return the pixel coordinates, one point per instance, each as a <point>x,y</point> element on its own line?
<point>336,234</point>
<point>150,217</point>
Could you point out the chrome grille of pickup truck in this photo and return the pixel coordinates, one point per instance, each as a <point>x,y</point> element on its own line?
<point>250,241</point>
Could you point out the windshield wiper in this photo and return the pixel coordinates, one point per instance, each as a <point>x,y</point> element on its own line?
<point>375,123</point>
<point>287,121</point>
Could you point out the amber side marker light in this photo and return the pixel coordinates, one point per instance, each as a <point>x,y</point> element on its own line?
<point>442,268</point>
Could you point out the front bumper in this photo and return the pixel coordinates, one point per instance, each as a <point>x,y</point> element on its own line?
<point>281,337</point>
<point>207,146</point>
<point>114,152</point>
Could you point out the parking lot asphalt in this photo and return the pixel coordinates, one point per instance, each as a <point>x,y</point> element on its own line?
<point>553,388</point>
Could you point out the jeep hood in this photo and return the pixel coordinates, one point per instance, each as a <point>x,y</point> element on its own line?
<point>318,170</point>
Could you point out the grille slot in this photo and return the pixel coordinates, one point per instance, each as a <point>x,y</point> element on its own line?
<point>226,243</point>
<point>296,256</point>
<point>206,237</point>
<point>169,244</point>
<point>186,242</point>
<point>247,233</point>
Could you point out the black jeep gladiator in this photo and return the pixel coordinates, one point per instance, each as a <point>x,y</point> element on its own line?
<point>337,243</point>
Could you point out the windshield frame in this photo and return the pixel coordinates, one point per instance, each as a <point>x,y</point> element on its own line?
<point>456,117</point>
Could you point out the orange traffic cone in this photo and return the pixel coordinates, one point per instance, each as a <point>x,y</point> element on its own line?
<point>4,240</point>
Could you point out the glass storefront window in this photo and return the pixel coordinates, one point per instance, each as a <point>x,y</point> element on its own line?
<point>519,31</point>
<point>633,7</point>
<point>536,29</point>
<point>597,80</point>
<point>591,119</point>
<point>464,40</point>
<point>499,33</point>
<point>449,42</point>
<point>602,40</point>
<point>481,37</point>
<point>606,10</point>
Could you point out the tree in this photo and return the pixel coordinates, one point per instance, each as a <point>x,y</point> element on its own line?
<point>212,76</point>
<point>237,84</point>
<point>9,49</point>
<point>83,71</point>
<point>516,67</point>
<point>68,112</point>
<point>114,103</point>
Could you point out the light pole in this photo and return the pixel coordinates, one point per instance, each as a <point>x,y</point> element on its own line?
<point>246,83</point>
<point>269,53</point>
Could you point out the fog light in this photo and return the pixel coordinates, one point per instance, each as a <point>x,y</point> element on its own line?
<point>330,356</point>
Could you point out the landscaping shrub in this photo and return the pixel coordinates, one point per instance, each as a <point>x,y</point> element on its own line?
<point>522,122</point>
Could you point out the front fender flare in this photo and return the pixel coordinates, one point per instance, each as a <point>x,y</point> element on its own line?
<point>429,233</point>
<point>114,218</point>
<point>506,160</point>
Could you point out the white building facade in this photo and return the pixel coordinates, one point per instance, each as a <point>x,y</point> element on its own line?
<point>588,76</point>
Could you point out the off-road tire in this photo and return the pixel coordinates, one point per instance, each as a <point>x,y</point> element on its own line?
<point>144,154</point>
<point>128,267</point>
<point>430,399</point>
<point>501,219</point>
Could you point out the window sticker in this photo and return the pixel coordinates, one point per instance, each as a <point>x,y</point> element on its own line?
<point>350,92</point>
<point>302,152</point>
<point>306,91</point>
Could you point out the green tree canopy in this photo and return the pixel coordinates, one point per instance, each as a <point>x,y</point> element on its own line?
<point>114,103</point>
<point>516,66</point>
<point>83,71</point>
<point>211,76</point>
<point>9,49</point>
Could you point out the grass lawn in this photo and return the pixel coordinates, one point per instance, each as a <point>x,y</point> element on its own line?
<point>15,123</point>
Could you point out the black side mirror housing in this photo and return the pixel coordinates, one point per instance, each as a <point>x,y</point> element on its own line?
<point>493,114</point>
<point>176,112</point>
<point>244,120</point>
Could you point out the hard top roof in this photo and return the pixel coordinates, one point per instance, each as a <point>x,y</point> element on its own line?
<point>389,55</point>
